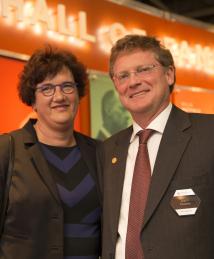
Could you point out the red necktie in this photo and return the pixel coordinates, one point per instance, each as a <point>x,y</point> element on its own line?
<point>139,192</point>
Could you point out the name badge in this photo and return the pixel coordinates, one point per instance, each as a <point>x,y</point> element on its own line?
<point>185,202</point>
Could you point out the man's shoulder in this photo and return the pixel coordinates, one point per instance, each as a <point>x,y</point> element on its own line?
<point>101,135</point>
<point>122,135</point>
<point>201,119</point>
<point>198,122</point>
<point>202,116</point>
<point>195,118</point>
<point>193,114</point>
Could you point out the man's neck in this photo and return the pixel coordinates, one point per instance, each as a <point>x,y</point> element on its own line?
<point>143,120</point>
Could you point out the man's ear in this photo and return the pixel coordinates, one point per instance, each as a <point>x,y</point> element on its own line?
<point>170,75</point>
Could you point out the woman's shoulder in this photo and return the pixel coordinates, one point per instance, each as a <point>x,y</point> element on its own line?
<point>84,138</point>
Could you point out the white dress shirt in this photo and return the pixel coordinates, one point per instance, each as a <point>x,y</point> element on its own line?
<point>158,124</point>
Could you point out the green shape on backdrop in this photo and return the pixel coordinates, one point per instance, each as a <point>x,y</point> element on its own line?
<point>107,114</point>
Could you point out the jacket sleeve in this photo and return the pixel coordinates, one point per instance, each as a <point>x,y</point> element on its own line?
<point>4,159</point>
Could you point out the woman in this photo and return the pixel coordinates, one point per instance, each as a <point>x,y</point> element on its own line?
<point>53,209</point>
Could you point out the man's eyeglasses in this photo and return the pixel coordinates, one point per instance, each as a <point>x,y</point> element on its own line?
<point>49,89</point>
<point>140,71</point>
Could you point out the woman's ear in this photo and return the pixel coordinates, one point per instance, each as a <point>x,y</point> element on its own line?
<point>34,107</point>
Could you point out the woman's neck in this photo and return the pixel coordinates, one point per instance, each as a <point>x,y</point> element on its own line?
<point>62,137</point>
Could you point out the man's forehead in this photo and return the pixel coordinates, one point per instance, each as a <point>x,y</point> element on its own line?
<point>126,60</point>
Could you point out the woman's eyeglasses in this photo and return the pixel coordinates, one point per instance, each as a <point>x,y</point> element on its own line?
<point>50,89</point>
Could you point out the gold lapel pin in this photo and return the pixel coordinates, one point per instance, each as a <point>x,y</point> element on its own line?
<point>114,160</point>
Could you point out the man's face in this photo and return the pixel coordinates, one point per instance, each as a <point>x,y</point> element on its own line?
<point>142,83</point>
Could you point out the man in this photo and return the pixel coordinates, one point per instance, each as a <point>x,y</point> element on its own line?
<point>178,195</point>
<point>114,115</point>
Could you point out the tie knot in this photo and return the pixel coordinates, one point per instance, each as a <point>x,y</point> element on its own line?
<point>144,135</point>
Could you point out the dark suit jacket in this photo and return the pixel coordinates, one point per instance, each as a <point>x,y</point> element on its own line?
<point>34,224</point>
<point>185,160</point>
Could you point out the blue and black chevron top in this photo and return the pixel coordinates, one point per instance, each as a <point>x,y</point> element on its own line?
<point>80,202</point>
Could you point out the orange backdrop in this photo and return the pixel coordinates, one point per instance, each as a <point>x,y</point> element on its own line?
<point>100,13</point>
<point>11,106</point>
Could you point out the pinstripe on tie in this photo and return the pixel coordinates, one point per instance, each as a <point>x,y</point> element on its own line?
<point>139,192</point>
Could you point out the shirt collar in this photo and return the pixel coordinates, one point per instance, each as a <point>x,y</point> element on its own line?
<point>158,124</point>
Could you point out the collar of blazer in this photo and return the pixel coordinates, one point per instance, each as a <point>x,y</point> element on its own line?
<point>27,135</point>
<point>176,136</point>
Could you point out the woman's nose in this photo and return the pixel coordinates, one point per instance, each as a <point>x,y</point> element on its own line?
<point>58,94</point>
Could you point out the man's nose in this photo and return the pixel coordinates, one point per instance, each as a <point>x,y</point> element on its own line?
<point>133,78</point>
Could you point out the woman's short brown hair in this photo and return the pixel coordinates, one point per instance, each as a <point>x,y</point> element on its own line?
<point>45,63</point>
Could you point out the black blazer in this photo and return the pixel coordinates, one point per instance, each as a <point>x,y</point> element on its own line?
<point>185,160</point>
<point>34,224</point>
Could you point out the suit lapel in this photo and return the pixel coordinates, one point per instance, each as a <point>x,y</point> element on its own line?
<point>43,170</point>
<point>116,173</point>
<point>38,160</point>
<point>88,152</point>
<point>174,141</point>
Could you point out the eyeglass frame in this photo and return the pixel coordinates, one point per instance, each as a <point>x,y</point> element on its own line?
<point>147,69</point>
<point>53,87</point>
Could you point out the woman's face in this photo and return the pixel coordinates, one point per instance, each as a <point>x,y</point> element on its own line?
<point>58,110</point>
